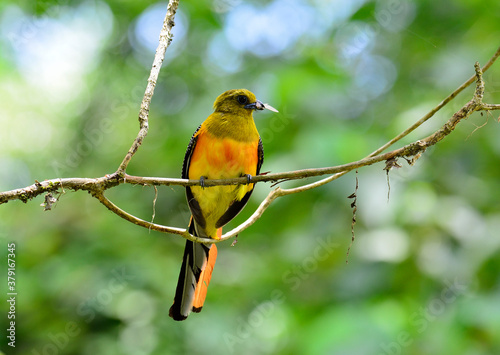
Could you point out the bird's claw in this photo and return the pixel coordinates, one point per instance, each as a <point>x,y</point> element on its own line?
<point>202,181</point>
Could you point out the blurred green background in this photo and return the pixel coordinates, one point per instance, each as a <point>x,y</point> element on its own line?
<point>423,272</point>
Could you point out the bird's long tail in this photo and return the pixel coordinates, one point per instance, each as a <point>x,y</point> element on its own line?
<point>196,271</point>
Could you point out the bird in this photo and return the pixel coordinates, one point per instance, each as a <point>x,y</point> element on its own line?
<point>226,145</point>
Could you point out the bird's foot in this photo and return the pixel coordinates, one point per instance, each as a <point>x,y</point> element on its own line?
<point>202,181</point>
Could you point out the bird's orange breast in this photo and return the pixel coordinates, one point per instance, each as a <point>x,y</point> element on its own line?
<point>220,158</point>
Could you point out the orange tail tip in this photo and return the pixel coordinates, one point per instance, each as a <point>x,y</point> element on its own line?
<point>200,292</point>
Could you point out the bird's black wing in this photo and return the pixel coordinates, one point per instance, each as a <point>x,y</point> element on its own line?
<point>260,152</point>
<point>189,153</point>
<point>194,206</point>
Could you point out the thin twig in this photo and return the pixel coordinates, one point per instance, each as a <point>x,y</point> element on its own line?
<point>354,206</point>
<point>417,124</point>
<point>438,107</point>
<point>165,40</point>
<point>154,205</point>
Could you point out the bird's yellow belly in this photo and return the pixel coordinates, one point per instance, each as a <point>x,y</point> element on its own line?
<point>221,159</point>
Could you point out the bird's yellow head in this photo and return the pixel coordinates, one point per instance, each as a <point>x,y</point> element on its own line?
<point>240,101</point>
<point>233,115</point>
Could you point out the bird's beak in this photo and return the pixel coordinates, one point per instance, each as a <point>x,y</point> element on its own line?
<point>258,105</point>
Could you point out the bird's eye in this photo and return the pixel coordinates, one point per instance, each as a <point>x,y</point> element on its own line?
<point>242,99</point>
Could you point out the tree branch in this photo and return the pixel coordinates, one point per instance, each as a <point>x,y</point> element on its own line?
<point>97,186</point>
<point>438,107</point>
<point>412,150</point>
<point>165,40</point>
